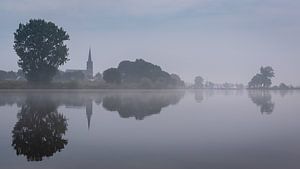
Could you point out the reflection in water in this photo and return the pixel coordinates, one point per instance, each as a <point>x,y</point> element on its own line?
<point>199,140</point>
<point>140,105</point>
<point>203,94</point>
<point>263,99</point>
<point>199,96</point>
<point>284,93</point>
<point>39,130</point>
<point>89,111</point>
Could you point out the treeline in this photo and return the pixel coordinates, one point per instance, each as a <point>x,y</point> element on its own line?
<point>263,80</point>
<point>41,48</point>
<point>11,75</point>
<point>200,83</point>
<point>76,76</point>
<point>141,74</point>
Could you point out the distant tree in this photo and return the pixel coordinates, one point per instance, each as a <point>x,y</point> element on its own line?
<point>139,69</point>
<point>199,82</point>
<point>74,76</point>
<point>267,71</point>
<point>145,83</point>
<point>177,80</point>
<point>262,79</point>
<point>10,75</point>
<point>209,85</point>
<point>256,81</point>
<point>283,86</point>
<point>228,85</point>
<point>142,74</point>
<point>239,86</point>
<point>2,75</point>
<point>98,77</point>
<point>41,49</point>
<point>112,75</point>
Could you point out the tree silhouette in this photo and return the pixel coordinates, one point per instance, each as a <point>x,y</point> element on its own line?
<point>142,74</point>
<point>39,130</point>
<point>41,49</point>
<point>112,75</point>
<point>199,82</point>
<point>262,79</point>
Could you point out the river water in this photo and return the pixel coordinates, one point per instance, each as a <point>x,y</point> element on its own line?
<point>150,129</point>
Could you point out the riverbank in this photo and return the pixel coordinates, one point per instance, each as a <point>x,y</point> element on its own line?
<point>74,85</point>
<point>24,85</point>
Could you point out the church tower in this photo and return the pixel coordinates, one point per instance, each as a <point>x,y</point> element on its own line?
<point>89,66</point>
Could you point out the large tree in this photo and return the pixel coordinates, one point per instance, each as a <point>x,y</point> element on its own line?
<point>199,82</point>
<point>41,49</point>
<point>262,79</point>
<point>142,74</point>
<point>112,75</point>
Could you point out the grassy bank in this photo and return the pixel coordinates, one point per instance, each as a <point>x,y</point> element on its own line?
<point>54,85</point>
<point>75,85</point>
<point>92,85</point>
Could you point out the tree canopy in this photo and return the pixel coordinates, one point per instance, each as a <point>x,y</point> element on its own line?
<point>41,49</point>
<point>142,74</point>
<point>262,79</point>
<point>199,82</point>
<point>112,75</point>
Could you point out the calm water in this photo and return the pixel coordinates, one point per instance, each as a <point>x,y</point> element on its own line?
<point>205,129</point>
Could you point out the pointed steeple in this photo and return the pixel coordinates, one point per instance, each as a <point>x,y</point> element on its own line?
<point>90,55</point>
<point>89,65</point>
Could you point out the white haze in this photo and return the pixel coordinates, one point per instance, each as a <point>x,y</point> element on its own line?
<point>221,40</point>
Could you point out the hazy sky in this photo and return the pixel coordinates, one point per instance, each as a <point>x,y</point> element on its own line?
<point>221,40</point>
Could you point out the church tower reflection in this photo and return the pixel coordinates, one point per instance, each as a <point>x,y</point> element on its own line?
<point>89,111</point>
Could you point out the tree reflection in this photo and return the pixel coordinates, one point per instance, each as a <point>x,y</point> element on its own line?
<point>39,130</point>
<point>140,105</point>
<point>263,99</point>
<point>199,96</point>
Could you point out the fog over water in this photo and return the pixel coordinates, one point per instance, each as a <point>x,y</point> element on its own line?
<point>150,129</point>
<point>221,40</point>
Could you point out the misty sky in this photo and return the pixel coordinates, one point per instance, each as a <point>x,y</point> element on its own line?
<point>221,40</point>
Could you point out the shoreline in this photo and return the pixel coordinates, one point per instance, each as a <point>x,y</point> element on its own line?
<point>102,86</point>
<point>132,89</point>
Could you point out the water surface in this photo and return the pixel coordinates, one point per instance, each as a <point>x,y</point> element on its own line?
<point>159,129</point>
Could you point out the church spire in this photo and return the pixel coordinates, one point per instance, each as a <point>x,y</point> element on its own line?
<point>89,66</point>
<point>90,55</point>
